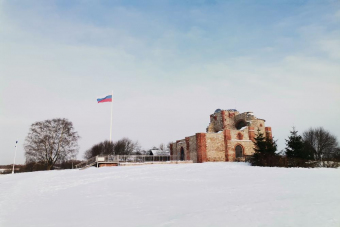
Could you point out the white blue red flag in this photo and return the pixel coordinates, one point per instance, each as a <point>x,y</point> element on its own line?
<point>107,98</point>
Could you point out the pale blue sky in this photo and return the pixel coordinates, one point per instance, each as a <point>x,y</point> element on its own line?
<point>170,64</point>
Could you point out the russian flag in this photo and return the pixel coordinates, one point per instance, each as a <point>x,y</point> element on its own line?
<point>108,98</point>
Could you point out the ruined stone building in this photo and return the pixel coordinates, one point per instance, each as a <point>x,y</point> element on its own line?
<point>228,137</point>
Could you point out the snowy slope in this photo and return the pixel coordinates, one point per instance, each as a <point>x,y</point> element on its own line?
<point>209,194</point>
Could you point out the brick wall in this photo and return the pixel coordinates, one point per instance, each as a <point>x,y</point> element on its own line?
<point>193,148</point>
<point>107,164</point>
<point>187,148</point>
<point>201,147</point>
<point>247,147</point>
<point>215,147</point>
<point>269,132</point>
<point>244,133</point>
<point>178,146</point>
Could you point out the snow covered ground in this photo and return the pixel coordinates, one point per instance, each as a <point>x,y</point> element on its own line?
<point>209,194</point>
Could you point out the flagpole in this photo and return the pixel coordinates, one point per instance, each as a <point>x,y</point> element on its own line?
<point>15,154</point>
<point>111,117</point>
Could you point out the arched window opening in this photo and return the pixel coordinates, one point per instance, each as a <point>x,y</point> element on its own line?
<point>239,136</point>
<point>239,151</point>
<point>240,124</point>
<point>182,154</point>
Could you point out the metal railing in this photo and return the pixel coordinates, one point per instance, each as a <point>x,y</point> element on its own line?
<point>88,162</point>
<point>129,159</point>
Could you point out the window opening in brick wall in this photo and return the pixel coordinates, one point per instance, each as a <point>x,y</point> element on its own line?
<point>239,151</point>
<point>182,154</point>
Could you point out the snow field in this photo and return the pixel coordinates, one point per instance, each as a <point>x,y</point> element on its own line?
<point>208,194</point>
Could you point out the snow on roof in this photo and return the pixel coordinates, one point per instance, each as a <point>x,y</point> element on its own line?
<point>159,152</point>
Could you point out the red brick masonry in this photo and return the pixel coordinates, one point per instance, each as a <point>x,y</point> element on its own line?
<point>201,144</point>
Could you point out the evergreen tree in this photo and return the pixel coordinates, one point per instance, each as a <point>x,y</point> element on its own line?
<point>265,148</point>
<point>295,146</point>
<point>271,146</point>
<point>260,142</point>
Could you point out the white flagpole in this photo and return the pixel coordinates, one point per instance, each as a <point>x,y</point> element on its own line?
<point>111,117</point>
<point>15,154</point>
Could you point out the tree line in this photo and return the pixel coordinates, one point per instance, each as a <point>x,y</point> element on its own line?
<point>316,147</point>
<point>123,146</point>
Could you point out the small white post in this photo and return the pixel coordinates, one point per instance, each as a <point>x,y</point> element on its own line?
<point>111,117</point>
<point>15,154</point>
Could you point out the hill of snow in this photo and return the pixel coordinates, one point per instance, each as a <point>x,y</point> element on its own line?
<point>208,194</point>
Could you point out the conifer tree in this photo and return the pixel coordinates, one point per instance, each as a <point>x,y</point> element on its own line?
<point>260,142</point>
<point>295,147</point>
<point>265,148</point>
<point>271,146</point>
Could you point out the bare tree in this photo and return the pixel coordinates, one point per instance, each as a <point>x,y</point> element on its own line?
<point>337,155</point>
<point>103,148</point>
<point>51,141</point>
<point>138,149</point>
<point>321,143</point>
<point>123,146</point>
<point>162,147</point>
<point>165,147</point>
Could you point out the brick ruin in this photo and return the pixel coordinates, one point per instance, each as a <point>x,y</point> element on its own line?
<point>229,137</point>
